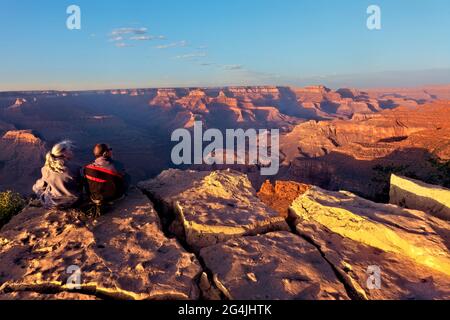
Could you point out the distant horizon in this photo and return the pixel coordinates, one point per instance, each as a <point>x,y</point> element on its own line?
<point>424,86</point>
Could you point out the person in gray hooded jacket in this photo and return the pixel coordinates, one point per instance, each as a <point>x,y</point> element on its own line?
<point>61,184</point>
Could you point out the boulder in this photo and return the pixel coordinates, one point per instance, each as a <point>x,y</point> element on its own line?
<point>22,155</point>
<point>410,248</point>
<point>281,195</point>
<point>414,194</point>
<point>122,255</point>
<point>211,207</point>
<point>274,266</point>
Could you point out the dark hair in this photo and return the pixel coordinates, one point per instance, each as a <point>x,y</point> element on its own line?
<point>101,150</point>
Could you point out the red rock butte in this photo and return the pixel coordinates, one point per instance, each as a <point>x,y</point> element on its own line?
<point>22,136</point>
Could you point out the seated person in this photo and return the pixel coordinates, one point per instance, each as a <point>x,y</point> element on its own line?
<point>61,184</point>
<point>106,179</point>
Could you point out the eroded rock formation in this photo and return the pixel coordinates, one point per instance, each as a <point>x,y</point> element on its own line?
<point>211,207</point>
<point>360,154</point>
<point>21,156</point>
<point>279,196</point>
<point>21,136</point>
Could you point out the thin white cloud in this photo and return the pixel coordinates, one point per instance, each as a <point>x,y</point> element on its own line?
<point>122,45</point>
<point>120,35</point>
<point>232,67</point>
<point>142,38</point>
<point>116,38</point>
<point>192,55</point>
<point>121,31</point>
<point>182,43</point>
<point>146,38</point>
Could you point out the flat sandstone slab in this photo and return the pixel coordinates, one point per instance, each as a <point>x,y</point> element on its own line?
<point>414,194</point>
<point>410,248</point>
<point>212,207</point>
<point>274,266</point>
<point>124,255</point>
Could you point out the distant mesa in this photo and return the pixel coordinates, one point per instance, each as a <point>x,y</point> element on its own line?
<point>348,93</point>
<point>22,137</point>
<point>135,93</point>
<point>197,93</point>
<point>18,103</point>
<point>315,89</point>
<point>164,98</point>
<point>119,92</point>
<point>311,102</point>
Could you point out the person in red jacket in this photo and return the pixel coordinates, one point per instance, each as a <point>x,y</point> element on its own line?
<point>106,178</point>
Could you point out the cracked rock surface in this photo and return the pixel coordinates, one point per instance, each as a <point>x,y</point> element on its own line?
<point>212,207</point>
<point>274,266</point>
<point>124,255</point>
<point>411,248</point>
<point>228,244</point>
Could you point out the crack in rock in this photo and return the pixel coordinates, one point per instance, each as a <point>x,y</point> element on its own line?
<point>122,255</point>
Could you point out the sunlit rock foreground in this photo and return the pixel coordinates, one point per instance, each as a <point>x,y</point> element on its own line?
<point>409,247</point>
<point>125,255</point>
<point>410,193</point>
<point>277,265</point>
<point>211,207</point>
<point>207,235</point>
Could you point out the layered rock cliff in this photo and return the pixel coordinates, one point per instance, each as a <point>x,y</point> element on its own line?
<point>21,156</point>
<point>138,123</point>
<point>360,154</point>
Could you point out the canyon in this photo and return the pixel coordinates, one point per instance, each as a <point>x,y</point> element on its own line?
<point>360,154</point>
<point>363,185</point>
<point>325,133</point>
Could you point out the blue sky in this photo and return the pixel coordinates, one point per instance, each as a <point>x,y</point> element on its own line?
<point>164,43</point>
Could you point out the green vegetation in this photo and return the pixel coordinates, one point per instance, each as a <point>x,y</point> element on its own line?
<point>433,171</point>
<point>382,179</point>
<point>10,204</point>
<point>442,175</point>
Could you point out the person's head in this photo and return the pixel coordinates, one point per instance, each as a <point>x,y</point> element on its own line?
<point>102,150</point>
<point>57,157</point>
